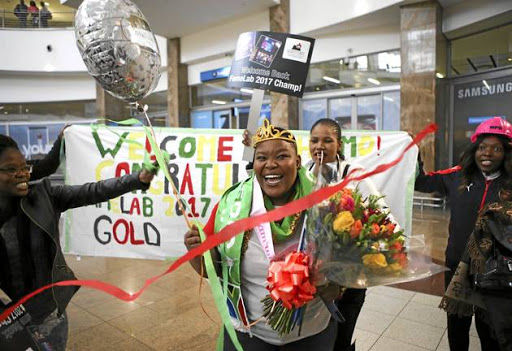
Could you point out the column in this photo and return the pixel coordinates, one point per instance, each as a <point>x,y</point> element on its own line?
<point>110,107</point>
<point>178,91</point>
<point>422,55</point>
<point>285,108</point>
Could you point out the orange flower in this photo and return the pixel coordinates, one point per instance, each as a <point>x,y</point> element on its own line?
<point>375,229</point>
<point>347,192</point>
<point>356,229</point>
<point>391,228</point>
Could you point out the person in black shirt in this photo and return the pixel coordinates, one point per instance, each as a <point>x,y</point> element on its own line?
<point>468,187</point>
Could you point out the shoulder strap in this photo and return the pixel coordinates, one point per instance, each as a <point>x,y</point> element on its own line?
<point>345,170</point>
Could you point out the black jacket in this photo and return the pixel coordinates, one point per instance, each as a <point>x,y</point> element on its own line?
<point>42,208</point>
<point>48,165</point>
<point>464,206</point>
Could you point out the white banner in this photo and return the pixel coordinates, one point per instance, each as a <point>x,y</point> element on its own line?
<point>203,164</point>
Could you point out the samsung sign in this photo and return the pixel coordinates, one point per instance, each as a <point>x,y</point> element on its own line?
<point>483,90</point>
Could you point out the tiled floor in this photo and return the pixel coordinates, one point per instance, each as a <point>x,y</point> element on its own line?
<point>170,316</point>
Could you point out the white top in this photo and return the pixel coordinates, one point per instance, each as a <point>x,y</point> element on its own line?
<point>254,268</point>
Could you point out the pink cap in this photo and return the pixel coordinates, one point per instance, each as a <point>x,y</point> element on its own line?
<point>495,125</point>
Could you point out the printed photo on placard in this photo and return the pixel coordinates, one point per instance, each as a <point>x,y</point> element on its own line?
<point>296,50</point>
<point>245,45</point>
<point>265,51</point>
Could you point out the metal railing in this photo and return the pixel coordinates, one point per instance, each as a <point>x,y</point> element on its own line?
<point>429,201</point>
<point>27,21</point>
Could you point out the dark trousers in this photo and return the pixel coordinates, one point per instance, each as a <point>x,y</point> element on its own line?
<point>323,341</point>
<point>349,305</point>
<point>458,328</point>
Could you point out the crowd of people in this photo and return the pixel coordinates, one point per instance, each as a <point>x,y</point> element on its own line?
<point>479,191</point>
<point>38,17</point>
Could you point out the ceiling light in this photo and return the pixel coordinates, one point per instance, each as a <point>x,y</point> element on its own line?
<point>246,90</point>
<point>341,62</point>
<point>5,112</point>
<point>2,107</point>
<point>329,79</point>
<point>486,85</point>
<point>374,81</point>
<point>219,102</point>
<point>439,75</point>
<point>26,110</point>
<point>509,59</point>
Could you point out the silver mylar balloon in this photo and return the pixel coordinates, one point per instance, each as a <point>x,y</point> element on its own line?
<point>118,47</point>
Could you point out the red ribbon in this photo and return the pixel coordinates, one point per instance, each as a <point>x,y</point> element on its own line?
<point>229,232</point>
<point>288,280</point>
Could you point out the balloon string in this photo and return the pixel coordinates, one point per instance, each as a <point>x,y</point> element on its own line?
<point>201,280</point>
<point>143,109</point>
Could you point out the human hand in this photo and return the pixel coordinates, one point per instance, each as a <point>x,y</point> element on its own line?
<point>192,238</point>
<point>246,138</point>
<point>147,175</point>
<point>61,133</point>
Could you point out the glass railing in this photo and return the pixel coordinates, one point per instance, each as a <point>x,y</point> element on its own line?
<point>8,19</point>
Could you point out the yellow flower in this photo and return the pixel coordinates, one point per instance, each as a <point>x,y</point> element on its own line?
<point>377,260</point>
<point>394,267</point>
<point>343,222</point>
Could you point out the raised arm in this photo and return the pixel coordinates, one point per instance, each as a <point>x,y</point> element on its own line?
<point>432,182</point>
<point>66,197</point>
<point>49,164</point>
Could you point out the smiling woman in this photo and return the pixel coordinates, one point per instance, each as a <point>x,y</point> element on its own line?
<point>29,239</point>
<point>484,166</point>
<point>278,179</point>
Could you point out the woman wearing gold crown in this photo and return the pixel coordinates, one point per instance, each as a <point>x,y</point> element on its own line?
<point>278,178</point>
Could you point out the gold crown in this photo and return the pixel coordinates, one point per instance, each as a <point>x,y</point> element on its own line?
<point>268,132</point>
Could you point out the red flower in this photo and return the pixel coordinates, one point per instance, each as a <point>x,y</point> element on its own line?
<point>397,245</point>
<point>401,258</point>
<point>347,204</point>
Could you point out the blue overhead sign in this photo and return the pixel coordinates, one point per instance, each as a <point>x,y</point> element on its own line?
<point>213,74</point>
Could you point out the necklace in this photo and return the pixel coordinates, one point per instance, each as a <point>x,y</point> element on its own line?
<point>280,232</point>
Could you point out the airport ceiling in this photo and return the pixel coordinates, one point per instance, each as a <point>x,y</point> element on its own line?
<point>176,18</point>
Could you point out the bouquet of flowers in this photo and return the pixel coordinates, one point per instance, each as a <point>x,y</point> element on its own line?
<point>349,240</point>
<point>354,241</point>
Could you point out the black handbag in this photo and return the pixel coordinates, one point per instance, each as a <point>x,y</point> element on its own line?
<point>497,276</point>
<point>14,330</point>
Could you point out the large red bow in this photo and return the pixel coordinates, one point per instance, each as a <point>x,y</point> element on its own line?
<point>288,280</point>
